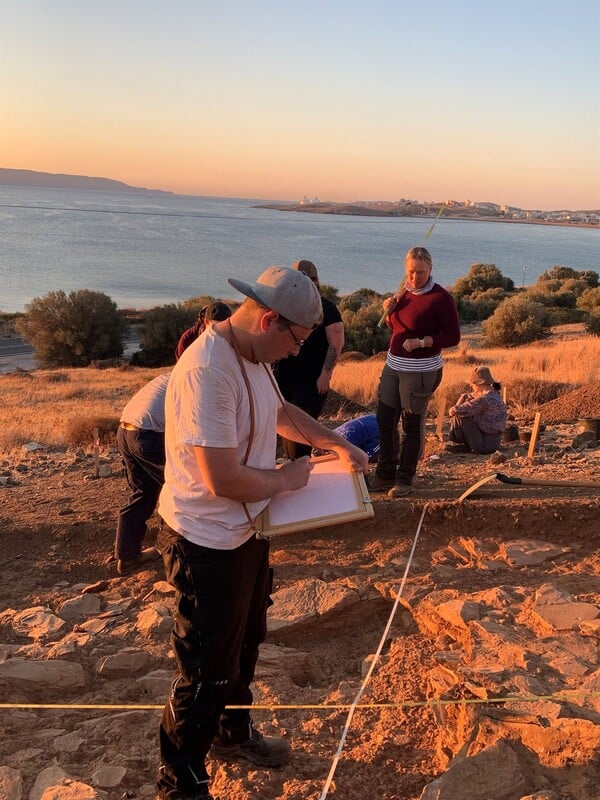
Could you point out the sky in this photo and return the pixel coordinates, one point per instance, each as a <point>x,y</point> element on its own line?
<point>482,100</point>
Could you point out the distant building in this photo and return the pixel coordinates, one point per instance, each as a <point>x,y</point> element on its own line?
<point>488,206</point>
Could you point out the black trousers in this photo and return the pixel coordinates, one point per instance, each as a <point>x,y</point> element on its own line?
<point>305,396</point>
<point>220,621</point>
<point>143,454</point>
<point>403,397</point>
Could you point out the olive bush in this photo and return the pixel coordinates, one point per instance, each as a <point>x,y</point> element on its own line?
<point>72,330</point>
<point>516,321</point>
<point>592,323</point>
<point>589,300</point>
<point>160,333</point>
<point>480,278</point>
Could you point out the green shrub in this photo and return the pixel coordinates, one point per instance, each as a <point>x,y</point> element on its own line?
<point>330,292</point>
<point>589,300</point>
<point>562,274</point>
<point>72,330</point>
<point>565,316</point>
<point>480,278</point>
<point>592,323</point>
<point>160,333</point>
<point>560,299</point>
<point>359,299</point>
<point>479,305</point>
<point>362,331</point>
<point>516,321</point>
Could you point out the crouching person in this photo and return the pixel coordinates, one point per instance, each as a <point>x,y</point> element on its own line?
<point>478,419</point>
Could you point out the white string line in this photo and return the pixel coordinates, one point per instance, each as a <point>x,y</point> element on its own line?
<point>360,692</point>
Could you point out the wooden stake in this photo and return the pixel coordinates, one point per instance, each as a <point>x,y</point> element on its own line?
<point>96,452</point>
<point>504,395</point>
<point>534,435</point>
<point>440,418</point>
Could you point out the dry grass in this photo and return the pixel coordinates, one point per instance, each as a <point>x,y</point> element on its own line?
<point>61,408</point>
<point>532,374</point>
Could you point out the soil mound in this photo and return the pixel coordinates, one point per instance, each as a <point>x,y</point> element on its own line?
<point>578,404</point>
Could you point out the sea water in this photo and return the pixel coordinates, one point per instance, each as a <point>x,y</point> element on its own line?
<point>148,249</point>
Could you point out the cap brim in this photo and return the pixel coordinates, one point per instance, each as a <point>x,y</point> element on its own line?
<point>245,288</point>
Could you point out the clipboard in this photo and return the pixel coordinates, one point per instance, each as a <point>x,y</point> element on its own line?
<point>333,495</point>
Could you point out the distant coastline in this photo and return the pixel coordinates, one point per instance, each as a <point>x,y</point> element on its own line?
<point>416,211</point>
<point>28,177</point>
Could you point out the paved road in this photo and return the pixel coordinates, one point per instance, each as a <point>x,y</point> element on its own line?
<point>15,353</point>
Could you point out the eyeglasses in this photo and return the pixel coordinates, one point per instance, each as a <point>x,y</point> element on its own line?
<point>298,342</point>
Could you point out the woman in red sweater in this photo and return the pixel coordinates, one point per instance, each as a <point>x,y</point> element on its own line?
<point>423,318</point>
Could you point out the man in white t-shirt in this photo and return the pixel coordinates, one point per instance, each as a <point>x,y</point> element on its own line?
<point>223,414</point>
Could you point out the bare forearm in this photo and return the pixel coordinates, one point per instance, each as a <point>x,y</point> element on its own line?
<point>331,359</point>
<point>226,477</point>
<point>295,424</point>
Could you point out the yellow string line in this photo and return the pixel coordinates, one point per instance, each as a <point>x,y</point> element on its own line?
<point>470,701</point>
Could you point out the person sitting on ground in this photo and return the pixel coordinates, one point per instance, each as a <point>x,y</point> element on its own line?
<point>478,419</point>
<point>363,432</point>
<point>213,312</point>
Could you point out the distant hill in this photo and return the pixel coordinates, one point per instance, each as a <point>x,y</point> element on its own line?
<point>27,177</point>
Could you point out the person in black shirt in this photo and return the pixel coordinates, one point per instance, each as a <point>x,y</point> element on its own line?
<point>304,379</point>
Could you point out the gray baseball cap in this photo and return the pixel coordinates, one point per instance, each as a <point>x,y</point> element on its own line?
<point>287,291</point>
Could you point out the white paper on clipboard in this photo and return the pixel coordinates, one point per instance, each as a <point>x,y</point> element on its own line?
<point>333,495</point>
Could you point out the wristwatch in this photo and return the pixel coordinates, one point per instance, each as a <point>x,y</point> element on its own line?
<point>421,342</point>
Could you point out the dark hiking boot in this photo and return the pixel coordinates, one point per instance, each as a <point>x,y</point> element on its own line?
<point>456,447</point>
<point>201,793</point>
<point>266,751</point>
<point>126,566</point>
<point>400,490</point>
<point>377,484</point>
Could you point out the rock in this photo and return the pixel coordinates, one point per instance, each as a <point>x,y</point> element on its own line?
<point>529,552</point>
<point>155,622</point>
<point>493,774</point>
<point>459,612</point>
<point>37,622</point>
<point>108,777</point>
<point>308,600</point>
<point>93,588</point>
<point>11,784</point>
<point>127,662</point>
<point>69,743</point>
<point>79,607</point>
<point>46,778</point>
<point>51,674</point>
<point>70,790</point>
<point>565,616</point>
<point>157,683</point>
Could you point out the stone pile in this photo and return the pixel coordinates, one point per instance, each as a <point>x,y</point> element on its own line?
<point>513,682</point>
